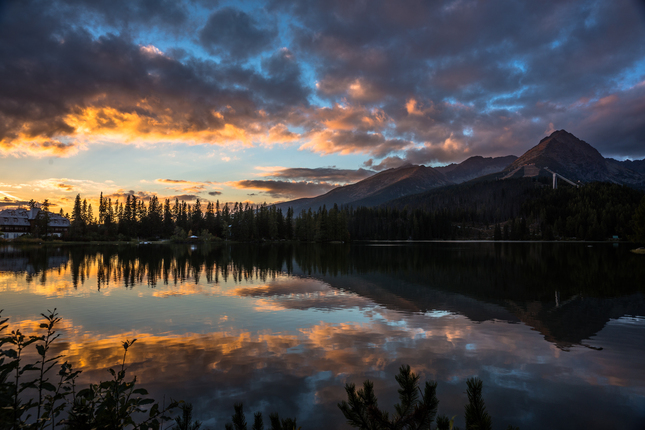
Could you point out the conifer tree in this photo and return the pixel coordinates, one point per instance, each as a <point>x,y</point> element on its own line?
<point>638,223</point>
<point>196,217</point>
<point>84,213</point>
<point>289,223</point>
<point>168,224</point>
<point>477,418</point>
<point>90,215</point>
<point>77,211</point>
<point>102,210</point>
<point>416,409</point>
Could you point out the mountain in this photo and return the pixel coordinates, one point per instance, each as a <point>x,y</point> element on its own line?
<point>561,152</point>
<point>635,165</point>
<point>474,167</point>
<point>375,190</point>
<point>567,155</point>
<point>575,159</point>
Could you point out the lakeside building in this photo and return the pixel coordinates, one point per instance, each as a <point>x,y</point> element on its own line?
<point>17,222</point>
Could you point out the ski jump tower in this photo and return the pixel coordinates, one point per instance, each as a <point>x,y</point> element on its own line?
<point>556,176</point>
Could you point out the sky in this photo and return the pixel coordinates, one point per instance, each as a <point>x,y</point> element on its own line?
<point>253,101</point>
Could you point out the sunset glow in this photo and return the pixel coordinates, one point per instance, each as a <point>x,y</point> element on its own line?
<point>115,96</point>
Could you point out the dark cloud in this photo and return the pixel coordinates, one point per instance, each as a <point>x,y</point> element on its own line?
<point>418,82</point>
<point>233,33</point>
<point>173,181</point>
<point>346,142</point>
<point>387,163</point>
<point>57,77</point>
<point>284,189</point>
<point>284,79</point>
<point>479,63</point>
<point>7,202</point>
<point>327,174</point>
<point>603,122</point>
<point>186,197</point>
<point>123,195</point>
<point>123,12</point>
<point>214,193</point>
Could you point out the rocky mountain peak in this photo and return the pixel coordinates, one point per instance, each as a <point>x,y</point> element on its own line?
<point>567,155</point>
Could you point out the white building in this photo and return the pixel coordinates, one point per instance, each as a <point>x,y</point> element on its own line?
<point>17,222</point>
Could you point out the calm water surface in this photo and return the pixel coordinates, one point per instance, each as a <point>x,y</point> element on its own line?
<point>556,331</point>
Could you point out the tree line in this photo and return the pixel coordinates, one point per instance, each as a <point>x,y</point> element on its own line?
<point>180,220</point>
<point>515,209</point>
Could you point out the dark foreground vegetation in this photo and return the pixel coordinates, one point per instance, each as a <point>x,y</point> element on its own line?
<point>515,209</point>
<point>38,392</point>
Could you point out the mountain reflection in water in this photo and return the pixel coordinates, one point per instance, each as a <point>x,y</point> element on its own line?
<point>556,331</point>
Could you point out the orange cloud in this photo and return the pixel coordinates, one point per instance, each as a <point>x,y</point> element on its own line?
<point>340,129</point>
<point>37,146</point>
<point>186,186</point>
<point>285,189</point>
<point>109,123</point>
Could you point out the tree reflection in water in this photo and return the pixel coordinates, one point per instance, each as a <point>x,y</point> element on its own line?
<point>284,327</point>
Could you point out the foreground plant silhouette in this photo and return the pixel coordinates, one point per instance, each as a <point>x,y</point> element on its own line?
<point>14,382</point>
<point>238,421</point>
<point>416,409</point>
<point>476,416</point>
<point>117,404</point>
<point>108,405</point>
<point>185,420</point>
<point>362,411</point>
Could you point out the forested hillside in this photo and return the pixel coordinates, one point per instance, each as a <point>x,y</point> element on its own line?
<point>513,209</point>
<point>520,209</point>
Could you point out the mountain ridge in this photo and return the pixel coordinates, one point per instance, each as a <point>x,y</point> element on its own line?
<point>560,152</point>
<point>377,189</point>
<point>573,158</point>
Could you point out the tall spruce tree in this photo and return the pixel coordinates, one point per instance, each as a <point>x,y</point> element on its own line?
<point>477,418</point>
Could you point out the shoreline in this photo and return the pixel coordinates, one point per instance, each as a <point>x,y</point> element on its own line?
<point>230,242</point>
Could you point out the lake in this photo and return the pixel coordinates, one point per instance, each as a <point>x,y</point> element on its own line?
<point>556,331</point>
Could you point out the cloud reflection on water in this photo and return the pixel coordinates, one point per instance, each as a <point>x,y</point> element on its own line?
<point>271,370</point>
<point>202,339</point>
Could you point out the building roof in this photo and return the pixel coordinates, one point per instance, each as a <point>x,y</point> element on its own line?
<point>21,217</point>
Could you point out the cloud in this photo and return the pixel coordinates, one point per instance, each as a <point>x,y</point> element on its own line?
<point>618,114</point>
<point>146,196</point>
<point>125,12</point>
<point>349,142</point>
<point>474,68</point>
<point>186,197</point>
<point>71,89</point>
<point>284,189</point>
<point>123,195</point>
<point>214,193</point>
<point>325,174</point>
<point>6,202</point>
<point>184,185</point>
<point>386,163</point>
<point>22,144</point>
<point>69,185</point>
<point>429,81</point>
<point>233,33</point>
<point>65,187</point>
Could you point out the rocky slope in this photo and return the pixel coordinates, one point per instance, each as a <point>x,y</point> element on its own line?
<point>375,190</point>
<point>474,167</point>
<point>574,159</point>
<point>560,152</point>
